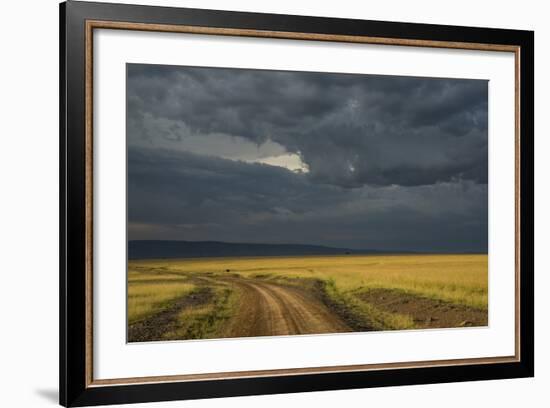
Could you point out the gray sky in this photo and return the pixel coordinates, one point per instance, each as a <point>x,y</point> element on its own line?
<point>355,161</point>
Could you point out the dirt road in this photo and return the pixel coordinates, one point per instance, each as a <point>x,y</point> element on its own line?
<point>270,309</point>
<point>264,309</point>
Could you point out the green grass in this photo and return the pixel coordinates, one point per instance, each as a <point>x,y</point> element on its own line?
<point>206,321</point>
<point>364,313</point>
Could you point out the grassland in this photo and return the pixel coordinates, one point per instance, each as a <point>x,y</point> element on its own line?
<point>149,293</point>
<point>363,292</point>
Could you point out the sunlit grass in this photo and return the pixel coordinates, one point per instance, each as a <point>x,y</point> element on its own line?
<point>205,321</point>
<point>461,279</point>
<point>149,292</point>
<point>376,318</point>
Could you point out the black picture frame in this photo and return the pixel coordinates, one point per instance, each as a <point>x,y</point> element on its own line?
<point>75,386</point>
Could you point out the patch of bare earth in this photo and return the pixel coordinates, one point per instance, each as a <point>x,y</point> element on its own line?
<point>426,313</point>
<point>154,327</point>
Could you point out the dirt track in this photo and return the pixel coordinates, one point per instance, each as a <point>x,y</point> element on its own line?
<point>270,309</point>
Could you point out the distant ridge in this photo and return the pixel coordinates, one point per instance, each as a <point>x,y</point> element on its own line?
<point>201,249</point>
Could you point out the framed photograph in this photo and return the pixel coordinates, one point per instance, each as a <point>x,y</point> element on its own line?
<point>256,204</point>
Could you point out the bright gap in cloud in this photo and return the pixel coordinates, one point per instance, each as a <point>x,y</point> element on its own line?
<point>290,161</point>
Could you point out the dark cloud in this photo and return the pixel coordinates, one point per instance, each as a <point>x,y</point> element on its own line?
<point>390,162</point>
<point>176,195</point>
<point>377,130</point>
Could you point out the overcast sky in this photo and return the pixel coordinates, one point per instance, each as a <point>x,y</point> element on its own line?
<point>354,161</point>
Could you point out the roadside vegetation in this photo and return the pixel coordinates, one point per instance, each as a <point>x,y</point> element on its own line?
<point>205,321</point>
<point>149,293</point>
<point>366,292</point>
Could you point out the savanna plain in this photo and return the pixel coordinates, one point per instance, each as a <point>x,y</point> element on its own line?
<point>204,298</point>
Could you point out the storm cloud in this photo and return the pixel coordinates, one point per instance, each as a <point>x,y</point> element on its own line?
<point>348,160</point>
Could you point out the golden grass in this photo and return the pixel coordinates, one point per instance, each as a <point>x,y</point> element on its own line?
<point>461,279</point>
<point>150,291</point>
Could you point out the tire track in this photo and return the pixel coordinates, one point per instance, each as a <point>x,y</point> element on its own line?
<point>271,309</point>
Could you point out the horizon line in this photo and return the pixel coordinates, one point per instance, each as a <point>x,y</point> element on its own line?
<point>390,250</point>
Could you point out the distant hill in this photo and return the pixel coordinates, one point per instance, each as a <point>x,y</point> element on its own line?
<point>201,249</point>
